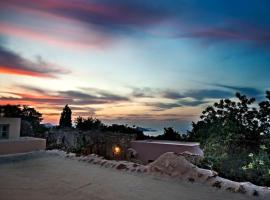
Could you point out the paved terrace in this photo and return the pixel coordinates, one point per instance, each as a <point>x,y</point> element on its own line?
<point>46,176</point>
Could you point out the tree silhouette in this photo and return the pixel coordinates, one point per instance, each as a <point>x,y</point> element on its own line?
<point>24,112</point>
<point>65,119</point>
<point>89,123</point>
<point>235,137</point>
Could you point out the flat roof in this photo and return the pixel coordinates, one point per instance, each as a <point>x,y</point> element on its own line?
<point>168,142</point>
<point>45,176</point>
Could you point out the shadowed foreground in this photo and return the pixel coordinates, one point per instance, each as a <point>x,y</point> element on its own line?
<point>45,176</point>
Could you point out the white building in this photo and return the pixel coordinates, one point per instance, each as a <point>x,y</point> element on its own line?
<point>12,143</point>
<point>10,128</point>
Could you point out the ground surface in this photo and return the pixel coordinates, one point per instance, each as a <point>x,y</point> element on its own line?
<point>43,176</point>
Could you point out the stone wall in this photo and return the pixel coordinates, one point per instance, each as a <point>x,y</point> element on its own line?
<point>91,142</point>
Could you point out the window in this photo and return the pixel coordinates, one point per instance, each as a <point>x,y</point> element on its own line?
<point>4,129</point>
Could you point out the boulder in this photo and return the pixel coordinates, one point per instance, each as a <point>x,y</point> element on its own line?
<point>178,166</point>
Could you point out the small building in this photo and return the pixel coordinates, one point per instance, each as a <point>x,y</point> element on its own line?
<point>12,143</point>
<point>10,128</point>
<point>149,150</point>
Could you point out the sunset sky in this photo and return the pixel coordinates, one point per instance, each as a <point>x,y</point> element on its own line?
<point>149,63</point>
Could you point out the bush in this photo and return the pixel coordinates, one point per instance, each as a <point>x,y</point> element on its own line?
<point>230,132</point>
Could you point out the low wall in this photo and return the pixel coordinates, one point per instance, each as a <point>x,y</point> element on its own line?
<point>150,151</point>
<point>93,141</point>
<point>22,145</point>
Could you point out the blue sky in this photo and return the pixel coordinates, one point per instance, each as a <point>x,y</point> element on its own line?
<point>149,63</point>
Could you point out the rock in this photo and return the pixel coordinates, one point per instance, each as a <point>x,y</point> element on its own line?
<point>131,153</point>
<point>103,163</point>
<point>191,180</point>
<point>177,166</point>
<point>192,158</point>
<point>231,189</point>
<point>255,193</point>
<point>135,165</point>
<point>217,184</point>
<point>241,189</point>
<point>121,166</point>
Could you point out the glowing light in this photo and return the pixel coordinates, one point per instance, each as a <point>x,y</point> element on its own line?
<point>116,150</point>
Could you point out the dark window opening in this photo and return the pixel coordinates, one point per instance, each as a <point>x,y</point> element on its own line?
<point>4,131</point>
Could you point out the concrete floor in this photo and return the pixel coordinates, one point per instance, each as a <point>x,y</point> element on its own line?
<point>43,176</point>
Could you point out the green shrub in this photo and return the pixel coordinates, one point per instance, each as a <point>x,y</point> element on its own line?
<point>235,137</point>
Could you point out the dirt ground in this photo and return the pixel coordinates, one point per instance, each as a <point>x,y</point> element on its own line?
<point>45,176</point>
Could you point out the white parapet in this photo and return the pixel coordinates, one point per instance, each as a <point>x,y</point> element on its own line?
<point>21,145</point>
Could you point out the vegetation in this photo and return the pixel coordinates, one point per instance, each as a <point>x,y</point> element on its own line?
<point>235,137</point>
<point>89,123</point>
<point>65,119</point>
<point>26,113</point>
<point>234,134</point>
<point>85,124</point>
<point>169,134</point>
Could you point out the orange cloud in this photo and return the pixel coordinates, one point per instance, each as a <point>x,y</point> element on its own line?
<point>13,63</point>
<point>7,70</point>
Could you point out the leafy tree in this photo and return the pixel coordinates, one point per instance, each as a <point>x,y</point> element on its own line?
<point>31,115</point>
<point>88,123</point>
<point>65,119</point>
<point>230,131</point>
<point>79,123</point>
<point>169,134</point>
<point>10,110</point>
<point>26,113</point>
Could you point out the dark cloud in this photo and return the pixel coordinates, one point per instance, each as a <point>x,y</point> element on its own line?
<point>163,106</point>
<point>108,16</point>
<point>250,91</point>
<point>158,106</point>
<point>191,98</point>
<point>173,95</point>
<point>144,92</point>
<point>76,94</point>
<point>112,97</point>
<point>72,97</point>
<point>13,63</point>
<point>24,99</point>
<point>208,94</point>
<point>104,94</point>
<point>197,94</point>
<point>260,36</point>
<point>192,19</point>
<point>32,89</point>
<point>192,103</point>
